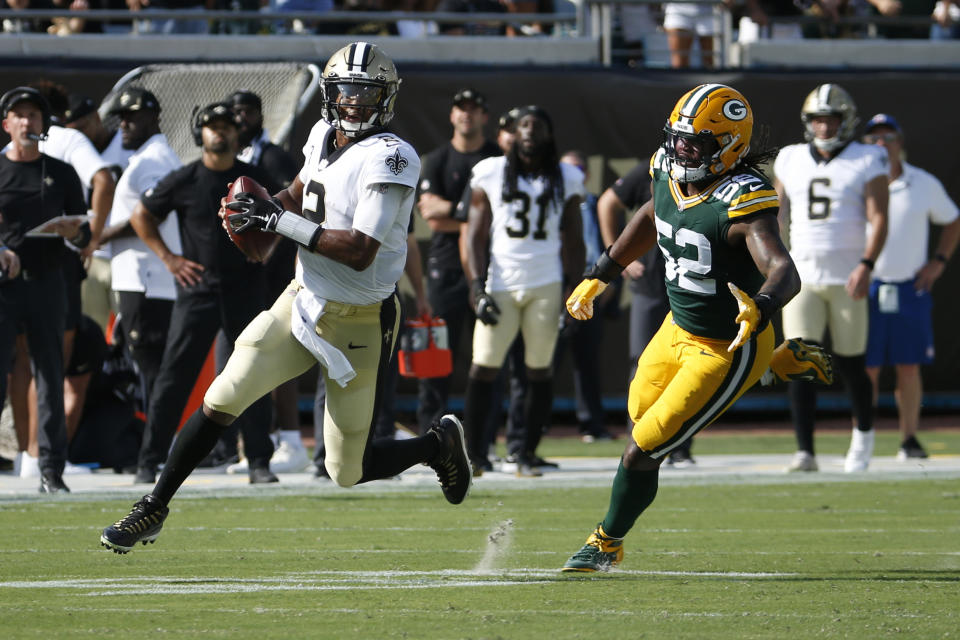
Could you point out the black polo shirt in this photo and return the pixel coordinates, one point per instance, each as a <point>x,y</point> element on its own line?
<point>633,190</point>
<point>30,194</point>
<point>446,173</point>
<point>194,192</point>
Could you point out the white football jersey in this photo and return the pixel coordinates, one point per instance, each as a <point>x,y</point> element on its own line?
<point>916,199</point>
<point>115,154</point>
<point>134,267</point>
<point>75,149</point>
<point>337,192</point>
<point>525,228</point>
<point>827,207</point>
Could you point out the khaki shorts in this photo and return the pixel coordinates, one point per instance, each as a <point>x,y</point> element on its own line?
<point>267,354</point>
<point>816,307</point>
<point>97,298</point>
<point>535,313</point>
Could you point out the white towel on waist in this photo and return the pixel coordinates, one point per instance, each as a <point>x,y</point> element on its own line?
<point>307,309</point>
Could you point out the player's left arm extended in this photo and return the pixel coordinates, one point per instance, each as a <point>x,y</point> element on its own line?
<point>761,237</point>
<point>636,239</point>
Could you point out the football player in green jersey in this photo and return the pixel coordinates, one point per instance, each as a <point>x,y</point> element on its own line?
<point>714,216</point>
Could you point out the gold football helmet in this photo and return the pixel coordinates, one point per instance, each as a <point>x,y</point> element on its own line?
<point>825,100</point>
<point>712,125</point>
<point>358,89</point>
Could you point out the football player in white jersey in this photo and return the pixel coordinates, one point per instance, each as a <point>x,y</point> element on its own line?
<point>348,209</point>
<point>523,237</point>
<point>830,188</point>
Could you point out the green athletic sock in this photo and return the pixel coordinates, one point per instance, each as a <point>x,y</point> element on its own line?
<point>632,493</point>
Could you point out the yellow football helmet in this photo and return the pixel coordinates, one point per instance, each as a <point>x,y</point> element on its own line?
<point>825,100</point>
<point>712,124</point>
<point>359,78</point>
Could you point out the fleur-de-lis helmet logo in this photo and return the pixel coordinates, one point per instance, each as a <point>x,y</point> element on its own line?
<point>396,162</point>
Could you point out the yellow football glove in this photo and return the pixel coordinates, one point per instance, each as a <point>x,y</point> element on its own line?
<point>580,302</point>
<point>749,317</point>
<point>795,359</point>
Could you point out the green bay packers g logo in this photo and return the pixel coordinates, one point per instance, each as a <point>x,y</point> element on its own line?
<point>735,109</point>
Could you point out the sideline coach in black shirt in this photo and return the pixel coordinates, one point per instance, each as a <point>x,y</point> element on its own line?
<point>34,189</point>
<point>217,287</point>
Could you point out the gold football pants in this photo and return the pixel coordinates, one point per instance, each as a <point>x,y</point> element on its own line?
<point>267,354</point>
<point>684,382</point>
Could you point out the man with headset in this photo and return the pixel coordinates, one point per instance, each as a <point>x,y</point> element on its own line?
<point>217,287</point>
<point>36,191</point>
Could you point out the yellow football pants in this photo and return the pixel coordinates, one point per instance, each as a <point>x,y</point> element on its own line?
<point>684,382</point>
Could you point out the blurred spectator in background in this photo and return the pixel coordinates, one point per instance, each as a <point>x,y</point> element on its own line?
<point>947,16</point>
<point>108,432</point>
<point>528,6</point>
<point>584,339</point>
<point>683,22</point>
<point>416,28</point>
<point>142,285</point>
<point>905,8</point>
<point>35,189</point>
<point>171,26</point>
<point>96,290</point>
<point>901,308</point>
<point>298,25</point>
<point>444,175</point>
<point>23,25</point>
<point>472,28</point>
<point>758,20</point>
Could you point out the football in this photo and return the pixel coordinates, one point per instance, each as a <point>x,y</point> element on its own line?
<point>256,245</point>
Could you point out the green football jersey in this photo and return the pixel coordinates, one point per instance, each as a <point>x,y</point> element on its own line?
<point>692,232</point>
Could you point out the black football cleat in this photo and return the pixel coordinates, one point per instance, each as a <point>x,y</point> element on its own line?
<point>52,482</point>
<point>452,464</point>
<point>142,524</point>
<point>262,475</point>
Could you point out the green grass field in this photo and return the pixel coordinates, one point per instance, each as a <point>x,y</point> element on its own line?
<point>871,558</point>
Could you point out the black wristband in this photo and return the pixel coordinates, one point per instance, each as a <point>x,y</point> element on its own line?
<point>605,269</point>
<point>767,305</point>
<point>477,287</point>
<point>942,258</point>
<point>868,262</point>
<point>83,237</point>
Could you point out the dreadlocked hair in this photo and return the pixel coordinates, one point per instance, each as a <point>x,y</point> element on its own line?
<point>760,160</point>
<point>550,168</point>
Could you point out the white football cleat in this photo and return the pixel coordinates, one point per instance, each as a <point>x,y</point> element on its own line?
<point>861,450</point>
<point>802,461</point>
<point>289,458</point>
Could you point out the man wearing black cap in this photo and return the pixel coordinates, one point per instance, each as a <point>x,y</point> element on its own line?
<point>34,190</point>
<point>443,178</point>
<point>901,307</point>
<point>257,149</point>
<point>216,286</point>
<point>255,145</point>
<point>143,287</point>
